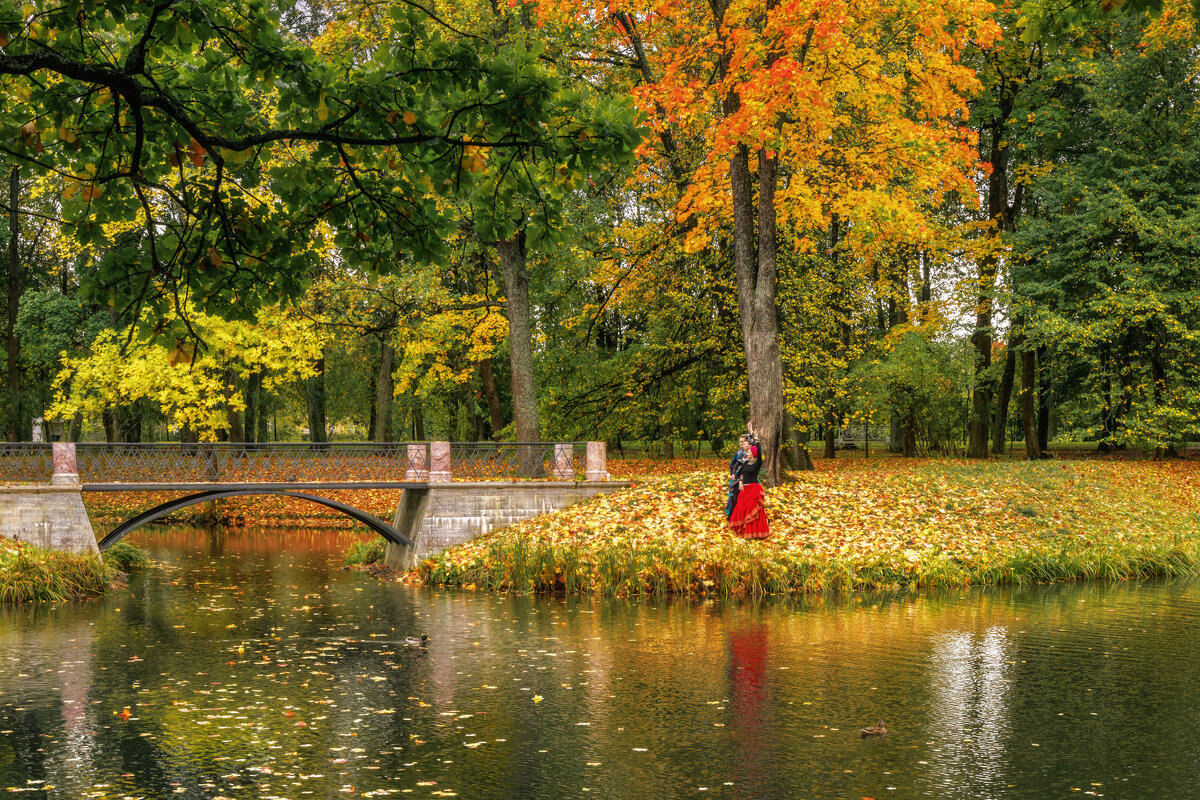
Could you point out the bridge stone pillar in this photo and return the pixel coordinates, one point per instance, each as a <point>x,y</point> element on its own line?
<point>564,470</point>
<point>418,463</point>
<point>596,466</point>
<point>65,471</point>
<point>440,470</point>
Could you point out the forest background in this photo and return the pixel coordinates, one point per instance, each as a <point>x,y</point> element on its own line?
<point>954,222</point>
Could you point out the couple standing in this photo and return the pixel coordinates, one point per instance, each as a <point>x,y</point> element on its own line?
<point>745,509</point>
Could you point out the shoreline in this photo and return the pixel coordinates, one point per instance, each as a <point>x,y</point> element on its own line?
<point>891,525</point>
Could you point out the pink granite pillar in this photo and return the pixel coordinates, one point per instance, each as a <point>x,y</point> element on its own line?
<point>65,471</point>
<point>418,463</point>
<point>564,470</point>
<point>439,462</point>
<point>596,468</point>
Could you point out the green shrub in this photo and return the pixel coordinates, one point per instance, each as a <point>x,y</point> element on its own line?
<point>125,557</point>
<point>363,553</point>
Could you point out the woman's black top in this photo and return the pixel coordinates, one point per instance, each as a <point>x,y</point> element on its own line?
<point>749,472</point>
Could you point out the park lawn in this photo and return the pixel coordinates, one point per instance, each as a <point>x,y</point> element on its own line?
<point>854,525</point>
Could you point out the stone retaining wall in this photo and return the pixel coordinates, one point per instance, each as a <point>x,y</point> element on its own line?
<point>447,514</point>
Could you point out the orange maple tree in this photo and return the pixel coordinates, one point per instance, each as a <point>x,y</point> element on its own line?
<point>782,120</point>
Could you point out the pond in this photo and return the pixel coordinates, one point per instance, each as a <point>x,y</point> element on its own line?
<point>252,665</point>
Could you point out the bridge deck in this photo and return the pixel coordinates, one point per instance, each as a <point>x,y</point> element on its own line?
<point>261,487</point>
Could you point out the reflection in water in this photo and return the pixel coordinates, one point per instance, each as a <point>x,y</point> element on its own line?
<point>969,717</point>
<point>254,666</point>
<point>750,709</point>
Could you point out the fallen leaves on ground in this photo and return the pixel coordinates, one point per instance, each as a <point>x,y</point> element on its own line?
<point>863,524</point>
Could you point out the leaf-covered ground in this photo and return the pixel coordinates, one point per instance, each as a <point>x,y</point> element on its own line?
<point>863,524</point>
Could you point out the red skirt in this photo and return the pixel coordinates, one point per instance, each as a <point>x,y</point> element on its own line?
<point>749,517</point>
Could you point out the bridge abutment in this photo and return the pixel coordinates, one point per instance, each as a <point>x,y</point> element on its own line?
<point>52,517</point>
<point>446,514</point>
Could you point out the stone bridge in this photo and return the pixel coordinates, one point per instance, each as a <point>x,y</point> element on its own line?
<point>450,492</point>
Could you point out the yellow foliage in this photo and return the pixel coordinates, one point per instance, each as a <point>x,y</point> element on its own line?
<point>196,388</point>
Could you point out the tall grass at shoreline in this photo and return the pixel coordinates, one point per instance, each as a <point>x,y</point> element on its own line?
<point>30,574</point>
<point>895,524</point>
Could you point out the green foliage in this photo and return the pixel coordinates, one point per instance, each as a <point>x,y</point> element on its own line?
<point>214,156</point>
<point>364,553</point>
<point>923,382</point>
<point>1106,271</point>
<point>125,556</point>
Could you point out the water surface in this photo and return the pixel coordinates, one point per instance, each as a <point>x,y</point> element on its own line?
<point>252,665</point>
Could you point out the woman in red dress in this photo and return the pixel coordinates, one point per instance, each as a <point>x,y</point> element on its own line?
<point>749,517</point>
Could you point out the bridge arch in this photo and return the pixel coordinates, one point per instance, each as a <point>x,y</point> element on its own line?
<point>133,523</point>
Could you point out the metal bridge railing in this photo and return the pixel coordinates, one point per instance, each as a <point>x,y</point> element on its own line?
<point>303,462</point>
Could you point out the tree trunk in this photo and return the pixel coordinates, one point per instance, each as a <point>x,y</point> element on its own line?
<point>13,411</point>
<point>520,337</point>
<point>112,425</point>
<point>668,441</point>
<point>314,395</point>
<point>372,391</point>
<point>830,441</point>
<point>910,437</point>
<point>495,412</point>
<point>798,456</point>
<point>237,433</point>
<point>1000,216</point>
<point>129,419</point>
<point>895,434</point>
<point>418,421</point>
<point>383,395</point>
<point>1044,401</point>
<point>756,282</point>
<point>1003,396</point>
<point>253,405</point>
<point>1033,448</point>
<point>264,424</point>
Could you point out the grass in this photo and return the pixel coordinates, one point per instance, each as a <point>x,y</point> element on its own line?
<point>364,553</point>
<point>859,525</point>
<point>31,574</point>
<point>125,557</point>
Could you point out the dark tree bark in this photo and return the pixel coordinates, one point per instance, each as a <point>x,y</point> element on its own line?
<point>495,412</point>
<point>253,405</point>
<point>237,433</point>
<point>1003,396</point>
<point>383,395</point>
<point>755,265</point>
<point>668,441</point>
<point>418,420</point>
<point>13,411</point>
<point>798,455</point>
<point>1002,214</point>
<point>130,419</point>
<point>1033,449</point>
<point>264,423</point>
<point>909,446</point>
<point>372,390</point>
<point>112,425</point>
<point>520,337</point>
<point>1044,401</point>
<point>314,395</point>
